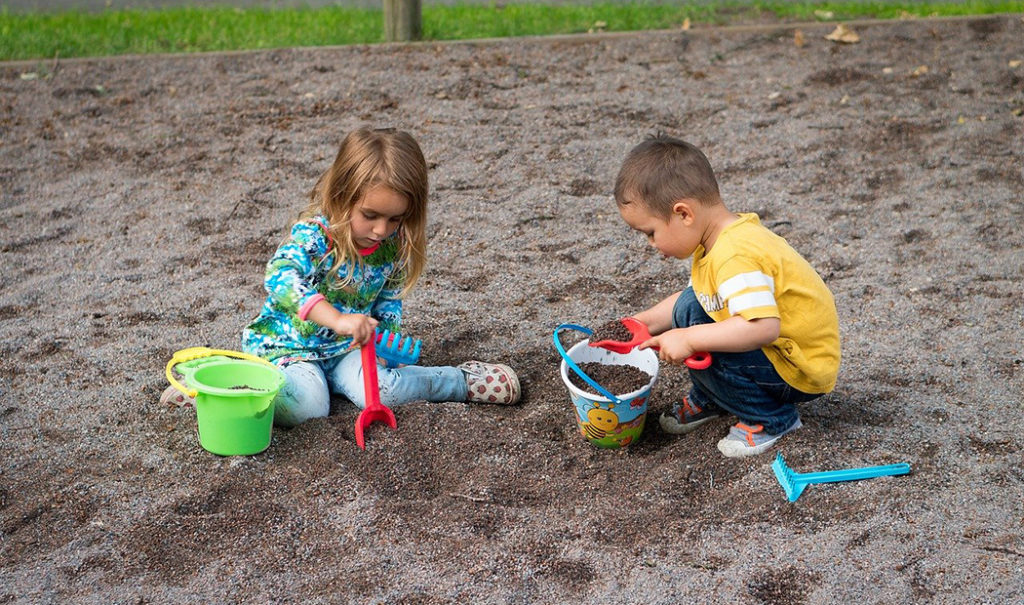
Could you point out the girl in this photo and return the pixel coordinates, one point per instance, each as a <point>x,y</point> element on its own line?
<point>355,251</point>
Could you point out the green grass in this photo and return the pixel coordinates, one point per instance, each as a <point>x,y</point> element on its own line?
<point>180,30</point>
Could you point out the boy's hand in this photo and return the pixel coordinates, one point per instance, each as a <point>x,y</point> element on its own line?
<point>359,327</point>
<point>674,346</point>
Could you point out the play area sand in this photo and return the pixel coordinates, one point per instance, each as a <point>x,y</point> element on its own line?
<point>141,197</point>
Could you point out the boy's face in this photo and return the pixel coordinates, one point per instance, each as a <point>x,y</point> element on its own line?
<point>677,236</point>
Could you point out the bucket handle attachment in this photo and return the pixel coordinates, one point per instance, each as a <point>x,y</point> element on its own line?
<point>572,364</point>
<point>193,353</point>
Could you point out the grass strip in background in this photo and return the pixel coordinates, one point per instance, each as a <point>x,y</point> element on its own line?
<point>194,29</point>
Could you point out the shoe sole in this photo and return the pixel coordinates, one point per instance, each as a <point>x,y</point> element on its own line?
<point>673,426</point>
<point>734,449</point>
<point>513,382</point>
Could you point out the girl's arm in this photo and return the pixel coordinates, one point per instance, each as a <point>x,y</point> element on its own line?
<point>289,281</point>
<point>733,335</point>
<point>359,326</point>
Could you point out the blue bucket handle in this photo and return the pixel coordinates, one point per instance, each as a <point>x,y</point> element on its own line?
<point>572,364</point>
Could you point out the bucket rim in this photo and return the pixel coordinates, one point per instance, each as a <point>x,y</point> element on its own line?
<point>279,379</point>
<point>601,398</point>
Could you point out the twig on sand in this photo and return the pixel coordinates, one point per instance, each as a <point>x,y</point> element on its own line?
<point>1007,551</point>
<point>470,498</point>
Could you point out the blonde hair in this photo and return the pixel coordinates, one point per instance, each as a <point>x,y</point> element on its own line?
<point>662,170</point>
<point>368,158</point>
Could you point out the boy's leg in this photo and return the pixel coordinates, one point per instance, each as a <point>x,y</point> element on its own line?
<point>303,396</point>
<point>399,385</point>
<point>743,384</point>
<point>697,409</point>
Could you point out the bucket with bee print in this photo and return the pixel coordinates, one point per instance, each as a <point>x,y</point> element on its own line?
<point>604,418</point>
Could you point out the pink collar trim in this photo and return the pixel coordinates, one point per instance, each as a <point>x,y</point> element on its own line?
<point>370,250</point>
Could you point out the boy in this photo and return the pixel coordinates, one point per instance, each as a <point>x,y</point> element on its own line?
<point>754,303</point>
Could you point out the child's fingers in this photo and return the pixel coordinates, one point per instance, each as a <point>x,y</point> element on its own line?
<point>650,342</point>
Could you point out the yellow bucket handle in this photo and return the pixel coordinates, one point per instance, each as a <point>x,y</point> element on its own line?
<point>199,352</point>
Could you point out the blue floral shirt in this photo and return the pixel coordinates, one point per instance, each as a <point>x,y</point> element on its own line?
<point>297,278</point>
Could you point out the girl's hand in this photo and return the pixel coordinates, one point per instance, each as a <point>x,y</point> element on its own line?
<point>359,327</point>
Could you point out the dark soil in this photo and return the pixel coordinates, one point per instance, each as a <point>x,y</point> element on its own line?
<point>616,379</point>
<point>141,197</point>
<point>613,330</point>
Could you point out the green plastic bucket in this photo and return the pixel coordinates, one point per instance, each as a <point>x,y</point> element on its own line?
<point>234,399</point>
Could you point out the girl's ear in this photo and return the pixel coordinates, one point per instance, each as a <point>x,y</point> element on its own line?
<point>684,209</point>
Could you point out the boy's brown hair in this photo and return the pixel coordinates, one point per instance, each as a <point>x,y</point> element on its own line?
<point>663,170</point>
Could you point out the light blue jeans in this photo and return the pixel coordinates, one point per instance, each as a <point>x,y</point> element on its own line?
<point>308,386</point>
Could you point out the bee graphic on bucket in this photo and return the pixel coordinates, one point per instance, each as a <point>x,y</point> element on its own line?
<point>602,426</point>
<point>600,422</point>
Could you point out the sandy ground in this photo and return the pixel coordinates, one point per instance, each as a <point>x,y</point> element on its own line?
<point>142,196</point>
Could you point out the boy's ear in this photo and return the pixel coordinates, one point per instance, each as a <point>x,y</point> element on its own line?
<point>684,209</point>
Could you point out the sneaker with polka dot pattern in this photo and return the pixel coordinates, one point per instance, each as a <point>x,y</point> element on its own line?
<point>490,383</point>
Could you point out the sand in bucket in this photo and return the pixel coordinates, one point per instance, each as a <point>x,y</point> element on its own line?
<point>604,421</point>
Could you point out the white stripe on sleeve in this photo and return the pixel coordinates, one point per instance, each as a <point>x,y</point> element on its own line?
<point>749,301</point>
<point>738,283</point>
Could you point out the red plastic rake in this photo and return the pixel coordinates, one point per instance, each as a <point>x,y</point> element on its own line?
<point>374,411</point>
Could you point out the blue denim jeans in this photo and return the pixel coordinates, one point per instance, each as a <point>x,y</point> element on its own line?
<point>745,385</point>
<point>308,386</point>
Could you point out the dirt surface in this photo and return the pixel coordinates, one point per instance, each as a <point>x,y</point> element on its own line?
<point>141,198</point>
<point>616,379</point>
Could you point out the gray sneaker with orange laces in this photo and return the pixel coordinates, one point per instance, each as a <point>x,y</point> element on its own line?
<point>745,440</point>
<point>685,417</point>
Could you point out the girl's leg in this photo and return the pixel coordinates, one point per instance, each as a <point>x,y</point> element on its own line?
<point>303,396</point>
<point>400,385</point>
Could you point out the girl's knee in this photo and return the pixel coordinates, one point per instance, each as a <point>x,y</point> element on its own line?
<point>303,397</point>
<point>292,411</point>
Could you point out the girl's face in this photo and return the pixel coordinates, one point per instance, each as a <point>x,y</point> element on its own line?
<point>377,216</point>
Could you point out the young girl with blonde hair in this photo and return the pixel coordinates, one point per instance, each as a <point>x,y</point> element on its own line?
<point>355,251</point>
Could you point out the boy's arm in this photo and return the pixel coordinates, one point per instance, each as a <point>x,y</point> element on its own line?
<point>733,335</point>
<point>659,317</point>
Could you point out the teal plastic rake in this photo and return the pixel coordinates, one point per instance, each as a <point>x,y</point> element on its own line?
<point>794,482</point>
<point>398,349</point>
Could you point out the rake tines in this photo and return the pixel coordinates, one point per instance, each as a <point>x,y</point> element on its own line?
<point>398,349</point>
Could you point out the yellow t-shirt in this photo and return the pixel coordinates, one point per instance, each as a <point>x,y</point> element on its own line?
<point>754,273</point>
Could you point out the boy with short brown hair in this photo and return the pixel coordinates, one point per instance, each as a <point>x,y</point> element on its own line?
<point>760,309</point>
